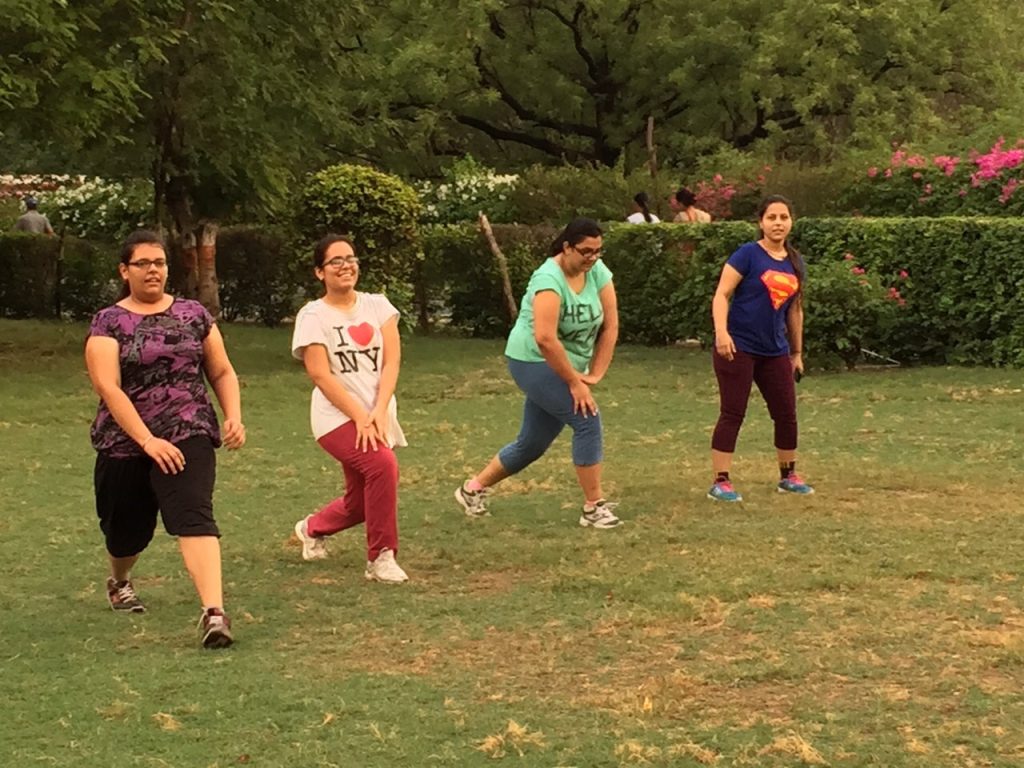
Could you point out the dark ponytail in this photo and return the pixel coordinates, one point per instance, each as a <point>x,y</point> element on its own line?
<point>792,254</point>
<point>641,199</point>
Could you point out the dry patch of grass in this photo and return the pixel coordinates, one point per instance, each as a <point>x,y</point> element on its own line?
<point>513,738</point>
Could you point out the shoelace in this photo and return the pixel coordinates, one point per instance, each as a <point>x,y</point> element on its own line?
<point>125,593</point>
<point>604,509</point>
<point>475,498</point>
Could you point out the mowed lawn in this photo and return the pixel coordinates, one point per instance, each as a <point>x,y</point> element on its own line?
<point>879,622</point>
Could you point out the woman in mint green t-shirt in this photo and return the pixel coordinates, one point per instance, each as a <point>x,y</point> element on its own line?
<point>560,346</point>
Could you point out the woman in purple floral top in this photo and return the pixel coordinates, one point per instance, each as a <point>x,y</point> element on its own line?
<point>155,430</point>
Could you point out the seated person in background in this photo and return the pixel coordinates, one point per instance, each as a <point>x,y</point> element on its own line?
<point>683,203</point>
<point>642,210</point>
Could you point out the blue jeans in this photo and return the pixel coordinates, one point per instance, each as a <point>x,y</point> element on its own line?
<point>548,408</point>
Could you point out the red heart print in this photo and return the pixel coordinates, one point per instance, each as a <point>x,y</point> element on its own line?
<point>361,334</point>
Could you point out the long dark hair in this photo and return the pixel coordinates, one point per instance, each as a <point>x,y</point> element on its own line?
<point>792,254</point>
<point>575,231</point>
<point>135,239</point>
<point>641,199</point>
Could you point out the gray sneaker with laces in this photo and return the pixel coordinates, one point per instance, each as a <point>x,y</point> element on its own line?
<point>215,629</point>
<point>600,515</point>
<point>474,503</point>
<point>122,598</point>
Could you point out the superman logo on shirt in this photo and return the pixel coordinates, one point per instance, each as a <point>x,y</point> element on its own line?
<point>781,286</point>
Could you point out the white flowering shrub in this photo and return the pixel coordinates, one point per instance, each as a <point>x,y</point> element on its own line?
<point>466,188</point>
<point>95,208</point>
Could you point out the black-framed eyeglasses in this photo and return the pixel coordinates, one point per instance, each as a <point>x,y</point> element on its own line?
<point>340,261</point>
<point>147,263</point>
<point>588,253</point>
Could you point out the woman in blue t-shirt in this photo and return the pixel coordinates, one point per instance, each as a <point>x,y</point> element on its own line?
<point>759,329</point>
<point>560,346</point>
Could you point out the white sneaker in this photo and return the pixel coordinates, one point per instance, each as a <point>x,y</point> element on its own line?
<point>474,503</point>
<point>601,516</point>
<point>385,569</point>
<point>313,547</point>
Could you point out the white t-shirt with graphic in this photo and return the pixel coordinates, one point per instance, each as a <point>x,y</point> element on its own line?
<point>355,348</point>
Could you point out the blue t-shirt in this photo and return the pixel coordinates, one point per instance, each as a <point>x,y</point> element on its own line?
<point>757,315</point>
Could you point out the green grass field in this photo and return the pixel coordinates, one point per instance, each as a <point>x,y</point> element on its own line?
<point>879,622</point>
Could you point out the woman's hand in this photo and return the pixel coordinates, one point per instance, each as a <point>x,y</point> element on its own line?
<point>797,361</point>
<point>367,433</point>
<point>590,379</point>
<point>724,345</point>
<point>582,400</point>
<point>233,434</point>
<point>166,455</point>
<point>379,418</point>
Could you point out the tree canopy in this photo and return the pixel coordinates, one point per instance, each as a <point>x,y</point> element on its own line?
<point>225,103</point>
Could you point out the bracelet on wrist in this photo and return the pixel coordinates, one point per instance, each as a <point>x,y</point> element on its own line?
<point>143,443</point>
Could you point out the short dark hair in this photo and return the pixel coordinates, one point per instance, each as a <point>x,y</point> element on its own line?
<point>325,242</point>
<point>685,196</point>
<point>575,231</point>
<point>31,203</point>
<point>140,237</point>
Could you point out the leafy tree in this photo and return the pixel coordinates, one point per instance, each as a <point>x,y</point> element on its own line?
<point>576,80</point>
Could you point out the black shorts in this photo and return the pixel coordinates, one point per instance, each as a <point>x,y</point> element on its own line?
<point>130,491</point>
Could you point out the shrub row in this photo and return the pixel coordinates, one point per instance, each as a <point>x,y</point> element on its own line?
<point>948,291</point>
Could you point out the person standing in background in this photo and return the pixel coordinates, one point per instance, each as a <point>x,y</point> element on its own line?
<point>32,220</point>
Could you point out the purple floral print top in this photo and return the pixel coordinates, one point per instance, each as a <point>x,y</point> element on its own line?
<point>161,372</point>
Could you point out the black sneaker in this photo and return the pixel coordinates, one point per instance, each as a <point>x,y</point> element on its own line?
<point>215,629</point>
<point>122,597</point>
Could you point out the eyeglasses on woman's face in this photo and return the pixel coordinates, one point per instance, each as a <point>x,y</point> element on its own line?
<point>147,263</point>
<point>588,253</point>
<point>341,261</point>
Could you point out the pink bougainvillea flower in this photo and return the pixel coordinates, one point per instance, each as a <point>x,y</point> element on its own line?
<point>916,176</point>
<point>927,189</point>
<point>916,161</point>
<point>872,172</point>
<point>1007,191</point>
<point>858,270</point>
<point>901,302</point>
<point>904,274</point>
<point>888,173</point>
<point>962,192</point>
<point>848,256</point>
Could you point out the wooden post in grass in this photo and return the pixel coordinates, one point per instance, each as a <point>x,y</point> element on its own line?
<point>506,282</point>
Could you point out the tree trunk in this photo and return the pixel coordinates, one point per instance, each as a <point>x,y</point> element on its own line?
<point>208,287</point>
<point>506,282</point>
<point>190,262</point>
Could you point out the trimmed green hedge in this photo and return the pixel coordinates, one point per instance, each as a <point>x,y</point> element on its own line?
<point>962,301</point>
<point>36,282</point>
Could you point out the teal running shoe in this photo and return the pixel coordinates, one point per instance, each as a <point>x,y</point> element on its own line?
<point>794,484</point>
<point>724,492</point>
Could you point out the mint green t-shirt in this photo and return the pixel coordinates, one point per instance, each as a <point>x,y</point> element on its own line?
<point>580,315</point>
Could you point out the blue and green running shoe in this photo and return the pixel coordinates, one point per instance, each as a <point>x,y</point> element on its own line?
<point>723,491</point>
<point>794,484</point>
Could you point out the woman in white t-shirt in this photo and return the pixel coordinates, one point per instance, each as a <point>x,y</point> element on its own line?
<point>642,210</point>
<point>349,344</point>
